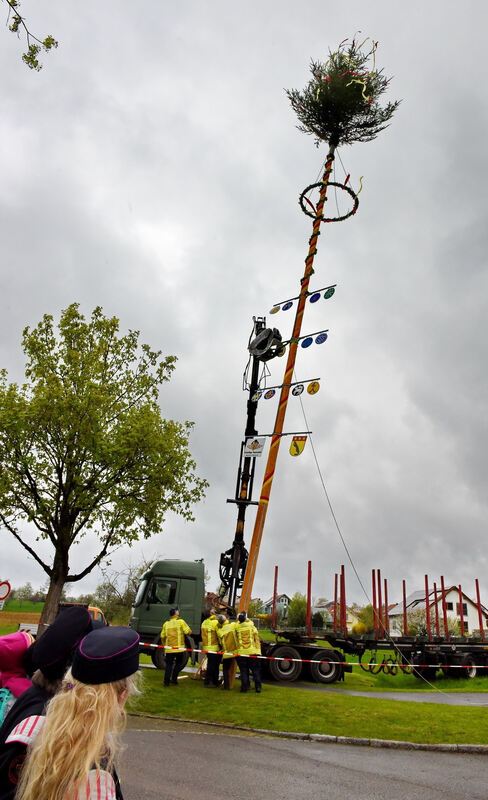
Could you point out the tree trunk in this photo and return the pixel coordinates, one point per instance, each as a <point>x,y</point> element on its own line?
<point>58,579</point>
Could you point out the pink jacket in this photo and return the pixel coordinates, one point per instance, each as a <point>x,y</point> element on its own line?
<point>12,674</point>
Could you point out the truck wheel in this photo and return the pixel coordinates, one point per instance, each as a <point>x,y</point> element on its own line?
<point>425,673</point>
<point>282,670</point>
<point>469,667</point>
<point>325,673</point>
<point>158,658</point>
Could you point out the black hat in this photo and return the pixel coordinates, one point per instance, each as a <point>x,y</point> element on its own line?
<point>51,653</point>
<point>242,616</point>
<point>106,655</point>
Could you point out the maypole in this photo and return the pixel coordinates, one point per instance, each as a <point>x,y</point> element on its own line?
<point>339,106</point>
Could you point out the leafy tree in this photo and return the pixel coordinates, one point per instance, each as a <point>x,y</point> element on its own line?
<point>84,447</point>
<point>17,24</point>
<point>365,622</point>
<point>255,607</point>
<point>116,594</point>
<point>297,611</point>
<point>24,593</point>
<point>417,623</point>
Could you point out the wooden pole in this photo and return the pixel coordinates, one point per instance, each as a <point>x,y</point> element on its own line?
<point>437,625</point>
<point>375,612</point>
<point>461,615</point>
<point>387,619</point>
<point>335,603</point>
<point>285,391</point>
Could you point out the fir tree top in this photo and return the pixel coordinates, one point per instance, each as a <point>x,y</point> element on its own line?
<point>339,105</point>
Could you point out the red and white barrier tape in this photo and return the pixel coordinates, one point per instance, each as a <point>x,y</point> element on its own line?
<point>313,661</point>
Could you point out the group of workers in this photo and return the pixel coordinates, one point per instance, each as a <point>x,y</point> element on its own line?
<point>224,640</point>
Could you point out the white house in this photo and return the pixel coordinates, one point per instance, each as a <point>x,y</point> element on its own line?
<point>416,600</point>
<point>282,603</point>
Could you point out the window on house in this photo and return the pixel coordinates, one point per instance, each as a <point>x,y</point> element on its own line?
<point>449,606</point>
<point>465,609</point>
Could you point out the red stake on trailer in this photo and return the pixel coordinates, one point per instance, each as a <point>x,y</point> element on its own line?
<point>380,604</point>
<point>275,592</point>
<point>387,619</point>
<point>444,611</point>
<point>437,626</point>
<point>343,603</point>
<point>335,603</point>
<point>375,612</point>
<point>427,608</point>
<point>309,599</point>
<point>461,615</point>
<point>405,624</point>
<point>480,613</point>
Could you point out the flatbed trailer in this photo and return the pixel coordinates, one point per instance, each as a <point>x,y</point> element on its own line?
<point>296,654</point>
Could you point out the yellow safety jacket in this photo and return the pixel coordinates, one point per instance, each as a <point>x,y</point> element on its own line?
<point>209,634</point>
<point>247,638</point>
<point>228,639</point>
<point>173,635</point>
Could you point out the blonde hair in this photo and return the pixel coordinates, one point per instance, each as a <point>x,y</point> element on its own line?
<point>80,733</point>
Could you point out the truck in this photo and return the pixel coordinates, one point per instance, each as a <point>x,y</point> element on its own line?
<point>182,583</point>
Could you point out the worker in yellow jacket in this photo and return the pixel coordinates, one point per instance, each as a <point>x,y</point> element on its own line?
<point>210,644</point>
<point>226,633</point>
<point>248,645</point>
<point>173,638</point>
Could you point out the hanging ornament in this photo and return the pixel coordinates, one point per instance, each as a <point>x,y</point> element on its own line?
<point>329,293</point>
<point>313,387</point>
<point>298,389</point>
<point>269,394</point>
<point>281,352</point>
<point>256,396</point>
<point>286,306</point>
<point>274,310</point>
<point>314,297</point>
<point>297,445</point>
<point>321,338</point>
<point>307,341</point>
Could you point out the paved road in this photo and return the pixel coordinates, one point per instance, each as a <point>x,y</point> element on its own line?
<point>169,761</point>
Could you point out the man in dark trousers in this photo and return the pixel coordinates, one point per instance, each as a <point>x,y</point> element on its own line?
<point>173,638</point>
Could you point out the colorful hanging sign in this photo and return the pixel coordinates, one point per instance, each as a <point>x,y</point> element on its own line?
<point>256,396</point>
<point>297,390</point>
<point>254,446</point>
<point>307,341</point>
<point>285,305</point>
<point>313,387</point>
<point>281,352</point>
<point>269,394</point>
<point>321,338</point>
<point>297,445</point>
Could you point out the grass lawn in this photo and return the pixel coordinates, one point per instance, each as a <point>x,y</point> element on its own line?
<point>300,710</point>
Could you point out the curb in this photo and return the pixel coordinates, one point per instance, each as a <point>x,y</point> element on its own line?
<point>328,739</point>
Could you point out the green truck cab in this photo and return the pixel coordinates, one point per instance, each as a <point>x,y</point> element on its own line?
<point>165,585</point>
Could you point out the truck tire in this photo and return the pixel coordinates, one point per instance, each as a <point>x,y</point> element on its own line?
<point>425,673</point>
<point>325,673</point>
<point>159,659</point>
<point>285,670</point>
<point>469,669</point>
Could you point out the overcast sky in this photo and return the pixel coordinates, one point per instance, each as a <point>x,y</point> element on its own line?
<point>153,167</point>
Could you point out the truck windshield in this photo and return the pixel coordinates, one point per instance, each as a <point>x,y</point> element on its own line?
<point>140,592</point>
